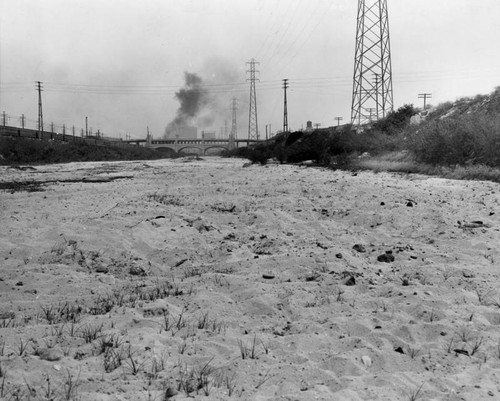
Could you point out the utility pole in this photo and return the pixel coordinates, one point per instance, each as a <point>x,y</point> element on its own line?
<point>40,112</point>
<point>22,121</point>
<point>372,56</point>
<point>317,125</point>
<point>86,126</point>
<point>4,119</point>
<point>425,96</point>
<point>285,108</point>
<point>338,119</point>
<point>73,129</point>
<point>253,126</point>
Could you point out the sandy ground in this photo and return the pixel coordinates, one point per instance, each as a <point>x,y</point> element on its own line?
<point>205,279</point>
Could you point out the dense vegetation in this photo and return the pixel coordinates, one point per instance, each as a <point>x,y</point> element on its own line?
<point>458,140</point>
<point>28,151</point>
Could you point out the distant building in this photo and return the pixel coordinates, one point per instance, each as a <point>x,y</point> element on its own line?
<point>185,133</point>
<point>208,135</point>
<point>309,126</point>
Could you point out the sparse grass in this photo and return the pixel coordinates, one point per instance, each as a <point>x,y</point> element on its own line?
<point>248,351</point>
<point>132,363</point>
<point>70,386</point>
<point>476,345</point>
<point>90,332</point>
<point>112,359</point>
<point>22,346</point>
<point>415,394</point>
<point>412,352</point>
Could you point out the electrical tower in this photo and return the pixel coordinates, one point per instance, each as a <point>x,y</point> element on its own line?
<point>253,126</point>
<point>40,112</point>
<point>372,83</point>
<point>285,108</point>
<point>234,125</point>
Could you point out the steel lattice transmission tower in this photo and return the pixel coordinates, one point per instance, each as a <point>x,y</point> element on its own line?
<point>372,84</point>
<point>234,124</point>
<point>253,126</point>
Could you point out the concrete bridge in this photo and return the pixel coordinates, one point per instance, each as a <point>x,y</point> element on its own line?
<point>179,145</point>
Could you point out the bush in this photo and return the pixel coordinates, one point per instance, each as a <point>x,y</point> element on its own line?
<point>461,140</point>
<point>23,150</point>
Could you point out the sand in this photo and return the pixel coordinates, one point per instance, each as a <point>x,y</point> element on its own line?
<point>205,279</point>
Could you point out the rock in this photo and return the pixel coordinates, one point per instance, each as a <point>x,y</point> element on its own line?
<point>101,269</point>
<point>19,283</point>
<point>339,256</point>
<point>350,281</point>
<point>467,273</point>
<point>312,276</point>
<point>49,354</point>
<point>170,392</point>
<point>137,271</point>
<point>386,258</point>
<point>268,276</point>
<point>409,204</point>
<point>399,350</point>
<point>367,361</point>
<point>57,367</point>
<point>359,248</point>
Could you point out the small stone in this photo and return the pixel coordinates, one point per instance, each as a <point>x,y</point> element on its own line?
<point>137,271</point>
<point>350,281</point>
<point>101,269</point>
<point>268,276</point>
<point>409,204</point>
<point>359,248</point>
<point>170,392</point>
<point>339,256</point>
<point>386,258</point>
<point>19,283</point>
<point>467,273</point>
<point>367,361</point>
<point>57,367</point>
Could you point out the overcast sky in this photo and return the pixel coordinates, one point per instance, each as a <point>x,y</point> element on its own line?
<point>120,62</point>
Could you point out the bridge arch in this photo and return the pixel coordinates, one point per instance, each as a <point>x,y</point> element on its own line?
<point>221,147</point>
<point>193,147</point>
<point>166,149</point>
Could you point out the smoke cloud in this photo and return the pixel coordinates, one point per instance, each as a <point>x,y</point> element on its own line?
<point>205,102</point>
<point>193,97</point>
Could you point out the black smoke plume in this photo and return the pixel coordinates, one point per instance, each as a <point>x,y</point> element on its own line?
<point>193,97</point>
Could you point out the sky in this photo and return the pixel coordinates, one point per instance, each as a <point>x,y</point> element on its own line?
<point>120,63</point>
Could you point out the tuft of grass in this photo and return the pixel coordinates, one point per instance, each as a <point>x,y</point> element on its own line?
<point>90,332</point>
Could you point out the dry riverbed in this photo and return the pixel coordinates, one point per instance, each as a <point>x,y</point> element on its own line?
<point>186,278</point>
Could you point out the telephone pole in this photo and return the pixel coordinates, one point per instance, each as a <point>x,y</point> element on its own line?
<point>372,57</point>
<point>40,112</point>
<point>285,109</point>
<point>425,96</point>
<point>253,126</point>
<point>338,119</point>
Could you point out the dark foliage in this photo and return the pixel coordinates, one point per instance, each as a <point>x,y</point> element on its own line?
<point>22,150</point>
<point>396,120</point>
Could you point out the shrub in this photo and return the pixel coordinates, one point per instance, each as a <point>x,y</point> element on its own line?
<point>461,140</point>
